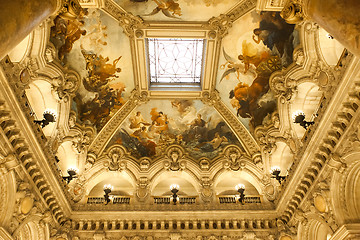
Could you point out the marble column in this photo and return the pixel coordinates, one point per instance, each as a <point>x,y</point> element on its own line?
<point>341,19</point>
<point>19,17</point>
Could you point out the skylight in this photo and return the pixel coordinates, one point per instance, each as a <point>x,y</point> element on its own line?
<point>175,62</point>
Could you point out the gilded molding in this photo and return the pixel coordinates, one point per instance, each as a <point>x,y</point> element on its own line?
<point>127,21</point>
<point>223,23</point>
<point>22,148</point>
<point>338,128</point>
<point>119,225</point>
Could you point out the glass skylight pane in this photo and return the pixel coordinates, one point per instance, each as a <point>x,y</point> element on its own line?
<point>177,61</point>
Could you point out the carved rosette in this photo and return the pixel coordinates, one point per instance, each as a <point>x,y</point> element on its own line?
<point>71,9</point>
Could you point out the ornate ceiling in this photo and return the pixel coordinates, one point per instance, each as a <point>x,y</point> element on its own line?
<point>114,129</point>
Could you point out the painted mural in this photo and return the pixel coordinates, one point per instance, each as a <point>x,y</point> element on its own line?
<point>96,47</point>
<point>152,127</point>
<point>264,46</point>
<point>187,10</point>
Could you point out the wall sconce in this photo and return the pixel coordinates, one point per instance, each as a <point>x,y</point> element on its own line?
<point>275,172</point>
<point>299,117</point>
<point>241,189</point>
<point>107,189</point>
<point>49,116</point>
<point>174,188</point>
<point>72,174</point>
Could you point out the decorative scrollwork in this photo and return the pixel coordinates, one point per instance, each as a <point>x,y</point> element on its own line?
<point>283,88</point>
<point>66,87</point>
<point>82,140</point>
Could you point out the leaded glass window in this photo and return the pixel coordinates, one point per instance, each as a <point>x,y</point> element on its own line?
<point>175,61</point>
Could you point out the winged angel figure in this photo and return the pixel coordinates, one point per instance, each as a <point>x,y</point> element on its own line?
<point>235,66</point>
<point>168,7</point>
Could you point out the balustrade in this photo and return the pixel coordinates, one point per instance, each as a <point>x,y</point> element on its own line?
<point>182,200</point>
<point>115,200</point>
<point>224,199</point>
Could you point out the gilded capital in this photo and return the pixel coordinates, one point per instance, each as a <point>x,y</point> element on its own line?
<point>70,9</point>
<point>293,12</point>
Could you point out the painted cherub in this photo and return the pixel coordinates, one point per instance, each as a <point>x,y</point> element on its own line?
<point>168,7</point>
<point>234,66</point>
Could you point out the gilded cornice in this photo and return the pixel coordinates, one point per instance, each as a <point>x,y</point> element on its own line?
<point>27,147</point>
<point>342,117</point>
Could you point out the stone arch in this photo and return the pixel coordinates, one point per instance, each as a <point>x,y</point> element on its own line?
<point>185,174</point>
<point>67,157</point>
<point>40,98</point>
<point>282,157</point>
<point>99,174</point>
<point>306,100</point>
<point>245,175</point>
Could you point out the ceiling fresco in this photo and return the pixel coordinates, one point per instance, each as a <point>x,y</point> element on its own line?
<point>257,45</point>
<point>181,10</point>
<point>154,126</point>
<point>96,47</point>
